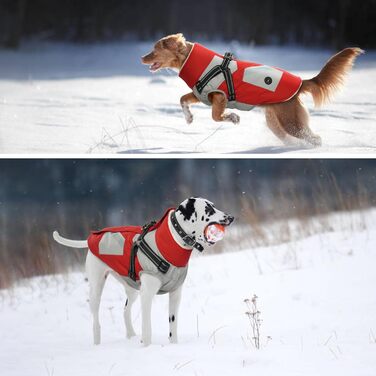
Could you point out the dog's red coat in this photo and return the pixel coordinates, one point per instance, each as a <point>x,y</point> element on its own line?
<point>199,59</point>
<point>167,246</point>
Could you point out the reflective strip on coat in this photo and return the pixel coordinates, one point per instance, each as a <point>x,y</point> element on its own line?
<point>113,246</point>
<point>255,84</point>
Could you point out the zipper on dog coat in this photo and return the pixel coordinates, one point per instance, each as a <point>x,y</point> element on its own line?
<point>252,83</point>
<point>113,245</point>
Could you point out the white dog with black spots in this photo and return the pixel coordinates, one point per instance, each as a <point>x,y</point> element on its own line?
<point>196,216</point>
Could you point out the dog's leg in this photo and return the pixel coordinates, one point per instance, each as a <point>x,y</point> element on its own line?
<point>273,124</point>
<point>149,287</point>
<point>96,273</point>
<point>174,302</point>
<point>293,117</point>
<point>185,101</point>
<point>219,103</point>
<point>131,297</point>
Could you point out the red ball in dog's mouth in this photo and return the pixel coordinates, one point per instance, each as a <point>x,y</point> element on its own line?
<point>214,232</point>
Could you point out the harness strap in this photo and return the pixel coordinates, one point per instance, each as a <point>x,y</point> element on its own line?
<point>141,244</point>
<point>161,264</point>
<point>184,236</point>
<point>215,71</point>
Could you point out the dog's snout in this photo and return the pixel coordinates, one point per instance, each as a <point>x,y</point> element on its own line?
<point>146,58</point>
<point>230,219</point>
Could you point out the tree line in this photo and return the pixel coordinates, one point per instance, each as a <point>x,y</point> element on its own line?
<point>336,23</point>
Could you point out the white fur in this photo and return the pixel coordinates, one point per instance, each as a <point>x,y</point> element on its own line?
<point>69,242</point>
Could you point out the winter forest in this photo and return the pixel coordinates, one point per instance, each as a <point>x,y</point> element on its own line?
<point>311,22</point>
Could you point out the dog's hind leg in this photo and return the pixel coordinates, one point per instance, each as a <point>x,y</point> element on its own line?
<point>273,123</point>
<point>174,302</point>
<point>131,297</point>
<point>185,101</point>
<point>150,285</point>
<point>96,272</point>
<point>293,117</point>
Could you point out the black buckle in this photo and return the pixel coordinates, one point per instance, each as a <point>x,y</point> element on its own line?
<point>188,240</point>
<point>147,226</point>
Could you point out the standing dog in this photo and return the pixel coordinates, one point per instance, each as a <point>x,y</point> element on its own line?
<point>221,81</point>
<point>153,259</point>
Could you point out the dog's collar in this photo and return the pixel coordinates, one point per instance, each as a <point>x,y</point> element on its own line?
<point>188,240</point>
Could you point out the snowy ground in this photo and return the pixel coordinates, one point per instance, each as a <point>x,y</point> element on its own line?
<point>57,98</point>
<point>316,298</point>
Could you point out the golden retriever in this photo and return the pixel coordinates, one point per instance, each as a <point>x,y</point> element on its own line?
<point>285,118</point>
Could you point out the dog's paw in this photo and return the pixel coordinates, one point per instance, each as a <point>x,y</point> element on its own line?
<point>189,118</point>
<point>145,343</point>
<point>187,113</point>
<point>131,334</point>
<point>234,118</point>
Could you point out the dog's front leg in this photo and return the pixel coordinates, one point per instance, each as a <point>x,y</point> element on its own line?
<point>185,101</point>
<point>174,302</point>
<point>150,285</point>
<point>219,103</point>
<point>131,297</point>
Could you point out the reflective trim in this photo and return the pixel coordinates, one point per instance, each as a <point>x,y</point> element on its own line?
<point>263,76</point>
<point>112,244</point>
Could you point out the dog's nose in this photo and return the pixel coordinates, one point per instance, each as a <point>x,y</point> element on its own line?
<point>230,219</point>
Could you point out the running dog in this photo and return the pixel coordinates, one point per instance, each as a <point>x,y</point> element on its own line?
<point>153,259</point>
<point>224,82</point>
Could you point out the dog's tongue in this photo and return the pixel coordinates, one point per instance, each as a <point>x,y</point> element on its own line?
<point>155,66</point>
<point>214,232</point>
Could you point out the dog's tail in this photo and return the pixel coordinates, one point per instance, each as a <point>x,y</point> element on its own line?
<point>332,76</point>
<point>69,242</point>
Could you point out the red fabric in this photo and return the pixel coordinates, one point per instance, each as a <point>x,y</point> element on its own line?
<point>199,59</point>
<point>169,249</point>
<point>119,263</point>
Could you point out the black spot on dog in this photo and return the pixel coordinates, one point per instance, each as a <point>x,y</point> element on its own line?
<point>207,219</point>
<point>193,221</point>
<point>188,210</point>
<point>193,232</point>
<point>173,318</point>
<point>209,209</point>
<point>170,334</point>
<point>169,319</point>
<point>126,302</point>
<point>202,218</point>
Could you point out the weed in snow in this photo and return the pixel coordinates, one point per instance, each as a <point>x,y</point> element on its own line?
<point>253,315</point>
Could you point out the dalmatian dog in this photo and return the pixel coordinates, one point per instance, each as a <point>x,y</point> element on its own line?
<point>149,261</point>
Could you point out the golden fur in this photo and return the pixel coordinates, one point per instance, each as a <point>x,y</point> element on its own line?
<point>286,118</point>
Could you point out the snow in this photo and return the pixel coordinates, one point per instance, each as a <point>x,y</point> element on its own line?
<point>58,98</point>
<point>316,297</point>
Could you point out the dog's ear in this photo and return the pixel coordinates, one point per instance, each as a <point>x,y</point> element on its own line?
<point>173,42</point>
<point>188,209</point>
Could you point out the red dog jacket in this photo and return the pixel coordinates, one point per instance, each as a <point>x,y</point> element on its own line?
<point>254,84</point>
<point>113,246</point>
